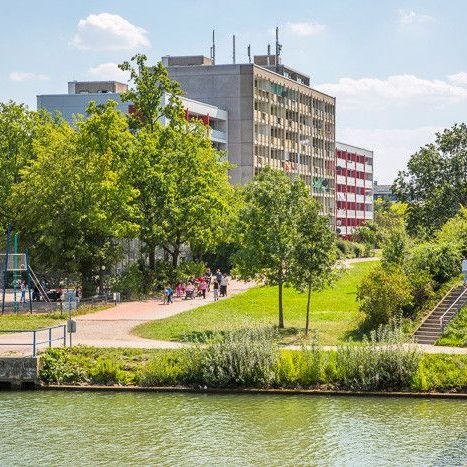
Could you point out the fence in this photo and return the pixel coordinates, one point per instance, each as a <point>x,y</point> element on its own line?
<point>61,307</point>
<point>35,342</point>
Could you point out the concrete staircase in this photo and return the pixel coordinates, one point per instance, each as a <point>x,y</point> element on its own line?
<point>433,325</point>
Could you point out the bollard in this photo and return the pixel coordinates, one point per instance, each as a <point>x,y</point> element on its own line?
<point>50,337</point>
<point>64,335</point>
<point>33,343</point>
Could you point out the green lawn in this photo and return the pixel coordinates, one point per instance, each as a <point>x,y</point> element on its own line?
<point>455,334</point>
<point>334,312</point>
<point>24,321</point>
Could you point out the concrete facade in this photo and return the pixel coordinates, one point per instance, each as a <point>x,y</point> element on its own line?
<point>80,94</point>
<point>275,120</point>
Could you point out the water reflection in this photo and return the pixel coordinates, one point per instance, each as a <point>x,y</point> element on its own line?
<point>77,428</point>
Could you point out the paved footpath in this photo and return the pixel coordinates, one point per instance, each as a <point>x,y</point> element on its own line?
<point>112,327</point>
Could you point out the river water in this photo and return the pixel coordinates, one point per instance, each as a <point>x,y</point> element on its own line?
<point>83,428</point>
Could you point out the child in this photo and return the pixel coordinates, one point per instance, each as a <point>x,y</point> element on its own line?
<point>215,289</point>
<point>168,292</point>
<point>179,289</point>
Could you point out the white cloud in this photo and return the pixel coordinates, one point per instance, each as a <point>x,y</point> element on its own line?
<point>459,79</point>
<point>395,91</point>
<point>108,71</point>
<point>106,31</point>
<point>307,28</point>
<point>411,17</point>
<point>392,147</point>
<point>26,76</point>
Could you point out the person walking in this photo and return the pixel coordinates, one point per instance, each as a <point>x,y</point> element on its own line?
<point>168,292</point>
<point>219,276</point>
<point>208,279</point>
<point>215,288</point>
<point>202,287</point>
<point>23,292</point>
<point>224,284</point>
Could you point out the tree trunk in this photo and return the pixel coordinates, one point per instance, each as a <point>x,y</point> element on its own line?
<point>307,323</point>
<point>281,310</point>
<point>88,285</point>
<point>152,258</point>
<point>175,255</point>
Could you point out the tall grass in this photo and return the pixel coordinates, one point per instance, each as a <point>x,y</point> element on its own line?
<point>382,361</point>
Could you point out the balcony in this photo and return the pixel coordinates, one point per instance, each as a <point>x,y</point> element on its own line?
<point>368,184</point>
<point>219,136</point>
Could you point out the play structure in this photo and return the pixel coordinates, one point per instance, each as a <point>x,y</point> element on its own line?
<point>18,276</point>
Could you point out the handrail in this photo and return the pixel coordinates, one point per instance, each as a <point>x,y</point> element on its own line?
<point>449,309</point>
<point>437,305</point>
<point>35,343</point>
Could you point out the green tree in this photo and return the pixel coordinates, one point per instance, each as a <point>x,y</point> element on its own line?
<point>314,253</point>
<point>18,127</point>
<point>154,95</point>
<point>193,199</point>
<point>454,232</point>
<point>435,183</point>
<point>268,229</point>
<point>75,198</point>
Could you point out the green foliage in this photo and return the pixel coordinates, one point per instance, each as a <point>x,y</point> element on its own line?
<point>455,333</point>
<point>441,373</point>
<point>59,366</point>
<point>313,255</point>
<point>454,232</point>
<point>395,247</point>
<point>75,198</point>
<point>189,269</point>
<point>381,362</point>
<point>240,358</point>
<point>149,86</point>
<point>108,371</point>
<point>267,230</point>
<point>348,249</point>
<point>18,128</point>
<point>440,261</point>
<point>383,294</point>
<point>435,183</point>
<point>169,368</point>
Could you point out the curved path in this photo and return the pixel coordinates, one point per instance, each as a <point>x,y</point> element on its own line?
<point>112,327</point>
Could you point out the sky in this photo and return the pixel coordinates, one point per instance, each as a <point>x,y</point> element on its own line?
<point>397,68</point>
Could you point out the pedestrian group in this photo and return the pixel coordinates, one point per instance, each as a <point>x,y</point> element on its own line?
<point>199,287</point>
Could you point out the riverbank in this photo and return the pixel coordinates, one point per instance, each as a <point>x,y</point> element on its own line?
<point>265,391</point>
<point>256,368</point>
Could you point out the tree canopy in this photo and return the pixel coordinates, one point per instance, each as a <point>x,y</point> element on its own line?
<point>435,183</point>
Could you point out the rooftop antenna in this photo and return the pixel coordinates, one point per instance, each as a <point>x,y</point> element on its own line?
<point>249,53</point>
<point>278,48</point>
<point>233,49</point>
<point>269,53</point>
<point>213,47</point>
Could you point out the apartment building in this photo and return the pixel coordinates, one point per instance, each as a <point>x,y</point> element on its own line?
<point>81,93</point>
<point>354,188</point>
<point>275,118</point>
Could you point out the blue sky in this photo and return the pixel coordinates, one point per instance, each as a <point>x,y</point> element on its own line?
<point>397,68</point>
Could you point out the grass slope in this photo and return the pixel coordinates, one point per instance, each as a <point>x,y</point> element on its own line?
<point>334,312</point>
<point>455,333</point>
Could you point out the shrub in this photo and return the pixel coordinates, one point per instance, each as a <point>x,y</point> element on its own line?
<point>129,283</point>
<point>343,248</point>
<point>381,362</point>
<point>169,368</point>
<point>243,357</point>
<point>59,366</point>
<point>395,248</point>
<point>440,261</point>
<point>383,294</point>
<point>441,372</point>
<point>455,333</point>
<point>108,371</point>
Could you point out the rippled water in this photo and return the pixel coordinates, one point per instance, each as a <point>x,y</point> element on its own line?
<point>79,428</point>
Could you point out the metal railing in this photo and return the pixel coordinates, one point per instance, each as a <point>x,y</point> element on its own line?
<point>35,343</point>
<point>437,305</point>
<point>441,319</point>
